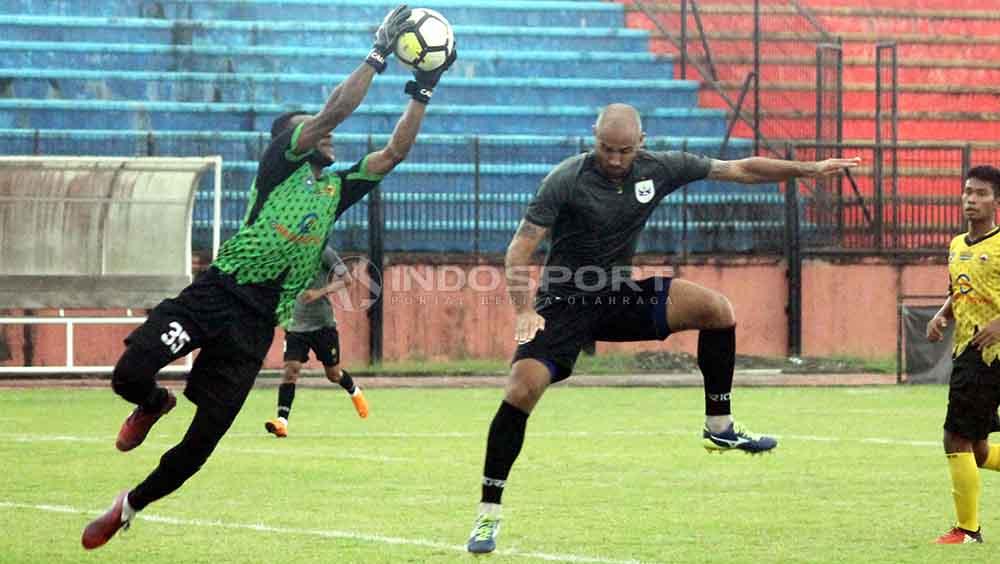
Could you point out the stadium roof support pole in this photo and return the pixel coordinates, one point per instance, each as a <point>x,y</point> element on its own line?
<point>216,209</point>
<point>376,257</point>
<point>684,38</point>
<point>476,184</point>
<point>793,254</point>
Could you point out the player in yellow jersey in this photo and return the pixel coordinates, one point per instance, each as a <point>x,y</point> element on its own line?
<point>974,392</point>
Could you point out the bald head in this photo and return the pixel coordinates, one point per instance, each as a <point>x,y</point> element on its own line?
<point>618,135</point>
<point>619,121</point>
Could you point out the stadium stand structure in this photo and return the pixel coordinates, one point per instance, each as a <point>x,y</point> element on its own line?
<point>196,77</point>
<point>947,76</point>
<point>948,59</point>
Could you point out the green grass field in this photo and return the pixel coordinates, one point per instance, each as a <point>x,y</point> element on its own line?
<point>606,475</point>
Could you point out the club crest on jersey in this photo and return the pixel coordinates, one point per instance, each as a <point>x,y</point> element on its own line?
<point>644,191</point>
<point>963,283</point>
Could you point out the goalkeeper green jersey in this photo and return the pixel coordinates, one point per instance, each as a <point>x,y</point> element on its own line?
<point>276,252</point>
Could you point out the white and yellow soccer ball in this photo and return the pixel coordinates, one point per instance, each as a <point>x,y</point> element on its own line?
<point>430,42</point>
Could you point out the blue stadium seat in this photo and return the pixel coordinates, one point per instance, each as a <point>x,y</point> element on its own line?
<point>85,55</point>
<point>319,33</point>
<point>300,88</point>
<point>466,12</point>
<point>189,77</point>
<point>556,120</point>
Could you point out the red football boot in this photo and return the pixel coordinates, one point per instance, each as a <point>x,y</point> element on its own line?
<point>138,424</point>
<point>958,535</point>
<point>100,530</point>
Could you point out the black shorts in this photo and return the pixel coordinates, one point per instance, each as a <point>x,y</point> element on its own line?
<point>571,322</point>
<point>973,396</point>
<point>233,337</point>
<point>325,343</point>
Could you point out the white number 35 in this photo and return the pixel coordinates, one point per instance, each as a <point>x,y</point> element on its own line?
<point>176,338</point>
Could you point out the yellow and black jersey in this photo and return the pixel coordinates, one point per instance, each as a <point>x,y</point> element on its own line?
<point>974,281</point>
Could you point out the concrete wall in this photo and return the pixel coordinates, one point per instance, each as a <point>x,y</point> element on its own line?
<point>452,311</point>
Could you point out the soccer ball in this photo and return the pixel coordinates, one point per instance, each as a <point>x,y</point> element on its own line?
<point>429,44</point>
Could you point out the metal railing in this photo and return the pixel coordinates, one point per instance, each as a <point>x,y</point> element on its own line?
<point>910,208</point>
<point>887,121</point>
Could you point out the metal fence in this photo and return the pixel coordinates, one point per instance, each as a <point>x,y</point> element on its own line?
<point>904,198</point>
<point>912,207</point>
<point>473,206</point>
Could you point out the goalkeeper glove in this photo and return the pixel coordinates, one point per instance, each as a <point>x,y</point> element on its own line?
<point>421,88</point>
<point>395,24</point>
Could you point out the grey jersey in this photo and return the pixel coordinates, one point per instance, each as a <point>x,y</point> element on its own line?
<point>318,314</point>
<point>594,223</point>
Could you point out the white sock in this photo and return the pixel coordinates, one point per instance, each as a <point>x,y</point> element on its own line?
<point>718,423</point>
<point>127,512</point>
<point>489,508</point>
<point>283,421</point>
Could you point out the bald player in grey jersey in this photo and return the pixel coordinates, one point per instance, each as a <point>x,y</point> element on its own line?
<point>594,207</point>
<point>314,326</point>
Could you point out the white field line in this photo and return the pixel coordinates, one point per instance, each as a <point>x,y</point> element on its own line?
<point>322,533</point>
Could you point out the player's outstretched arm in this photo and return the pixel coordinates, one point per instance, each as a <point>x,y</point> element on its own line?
<point>756,170</point>
<point>405,134</point>
<point>517,263</point>
<point>347,96</point>
<point>340,278</point>
<point>312,294</point>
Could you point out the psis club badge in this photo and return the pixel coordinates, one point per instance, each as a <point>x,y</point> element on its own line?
<point>644,191</point>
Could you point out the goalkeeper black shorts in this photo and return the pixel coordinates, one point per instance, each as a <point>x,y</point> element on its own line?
<point>233,338</point>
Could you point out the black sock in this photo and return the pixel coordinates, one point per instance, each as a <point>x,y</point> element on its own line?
<point>286,395</point>
<point>716,359</point>
<point>502,447</point>
<point>347,382</point>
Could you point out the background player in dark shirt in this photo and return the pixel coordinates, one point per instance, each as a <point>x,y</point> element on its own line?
<point>314,327</point>
<point>594,206</point>
<point>229,312</point>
